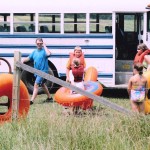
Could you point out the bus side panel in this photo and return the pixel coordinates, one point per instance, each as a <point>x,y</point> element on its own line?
<point>98,52</point>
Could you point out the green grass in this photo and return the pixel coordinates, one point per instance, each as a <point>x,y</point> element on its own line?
<point>46,128</point>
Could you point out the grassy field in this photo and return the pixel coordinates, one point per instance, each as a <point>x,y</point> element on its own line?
<point>46,128</point>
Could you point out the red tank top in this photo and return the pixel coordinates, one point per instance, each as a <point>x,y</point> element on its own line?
<point>78,73</point>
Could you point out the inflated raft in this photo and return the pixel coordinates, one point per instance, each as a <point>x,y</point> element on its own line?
<point>64,97</point>
<point>91,74</point>
<point>6,85</point>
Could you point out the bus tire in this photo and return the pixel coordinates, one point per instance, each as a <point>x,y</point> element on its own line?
<point>29,78</point>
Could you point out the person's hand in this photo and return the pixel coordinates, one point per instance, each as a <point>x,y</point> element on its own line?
<point>44,45</point>
<point>22,60</point>
<point>68,80</point>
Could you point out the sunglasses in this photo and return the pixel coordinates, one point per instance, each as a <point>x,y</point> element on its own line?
<point>39,43</point>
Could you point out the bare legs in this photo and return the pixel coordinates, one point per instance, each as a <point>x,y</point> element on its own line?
<point>35,91</point>
<point>137,107</point>
<point>46,90</point>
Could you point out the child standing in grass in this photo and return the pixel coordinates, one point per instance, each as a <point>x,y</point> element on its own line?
<point>76,64</point>
<point>137,88</point>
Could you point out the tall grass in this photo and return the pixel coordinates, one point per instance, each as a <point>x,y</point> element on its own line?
<point>45,128</point>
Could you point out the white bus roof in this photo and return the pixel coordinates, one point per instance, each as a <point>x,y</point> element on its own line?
<point>72,6</point>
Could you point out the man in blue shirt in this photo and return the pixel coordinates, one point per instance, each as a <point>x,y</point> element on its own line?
<point>40,59</point>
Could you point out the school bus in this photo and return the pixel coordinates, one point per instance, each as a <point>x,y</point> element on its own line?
<point>107,31</point>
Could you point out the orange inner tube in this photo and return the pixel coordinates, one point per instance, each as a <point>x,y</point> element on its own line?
<point>6,84</point>
<point>147,101</point>
<point>91,74</point>
<point>64,97</point>
<point>84,102</point>
<point>9,66</point>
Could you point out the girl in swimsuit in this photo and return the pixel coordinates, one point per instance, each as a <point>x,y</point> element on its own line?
<point>137,88</point>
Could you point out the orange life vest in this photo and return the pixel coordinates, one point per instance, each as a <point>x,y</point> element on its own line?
<point>72,57</point>
<point>139,57</point>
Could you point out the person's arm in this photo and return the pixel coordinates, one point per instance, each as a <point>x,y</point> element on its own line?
<point>84,66</point>
<point>147,59</point>
<point>67,71</point>
<point>129,86</point>
<point>25,59</point>
<point>146,89</point>
<point>46,50</point>
<point>67,75</point>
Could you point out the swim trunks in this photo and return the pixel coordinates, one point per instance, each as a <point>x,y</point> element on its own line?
<point>138,95</point>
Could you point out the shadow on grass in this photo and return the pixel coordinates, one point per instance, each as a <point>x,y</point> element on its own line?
<point>115,93</point>
<point>94,111</point>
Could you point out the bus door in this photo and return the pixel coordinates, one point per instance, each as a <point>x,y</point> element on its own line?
<point>129,31</point>
<point>148,30</point>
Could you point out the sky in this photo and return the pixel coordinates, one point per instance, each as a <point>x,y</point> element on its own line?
<point>73,5</point>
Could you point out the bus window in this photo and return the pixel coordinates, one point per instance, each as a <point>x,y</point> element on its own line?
<point>75,23</point>
<point>44,29</point>
<point>49,23</point>
<point>24,22</point>
<point>1,29</point>
<point>4,22</point>
<point>32,28</point>
<point>108,29</point>
<point>100,23</point>
<point>21,29</point>
<point>129,23</point>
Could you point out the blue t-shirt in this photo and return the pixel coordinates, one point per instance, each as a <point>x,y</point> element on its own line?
<point>40,59</point>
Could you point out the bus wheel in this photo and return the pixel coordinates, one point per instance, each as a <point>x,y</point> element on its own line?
<point>29,78</point>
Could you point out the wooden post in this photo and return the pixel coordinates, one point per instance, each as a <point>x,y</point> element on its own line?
<point>16,86</point>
